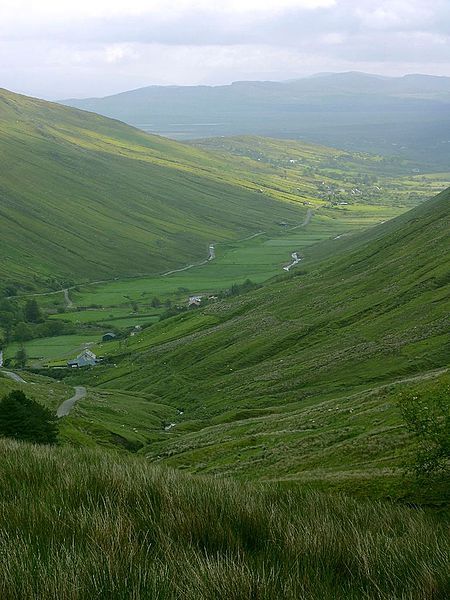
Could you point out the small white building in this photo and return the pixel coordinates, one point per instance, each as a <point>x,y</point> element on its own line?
<point>85,359</point>
<point>195,301</point>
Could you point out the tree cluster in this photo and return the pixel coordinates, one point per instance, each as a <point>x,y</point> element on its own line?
<point>27,322</point>
<point>25,419</point>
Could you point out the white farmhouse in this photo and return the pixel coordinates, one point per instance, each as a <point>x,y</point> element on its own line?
<point>85,359</point>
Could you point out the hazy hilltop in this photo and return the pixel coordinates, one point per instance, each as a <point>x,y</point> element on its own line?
<point>407,116</point>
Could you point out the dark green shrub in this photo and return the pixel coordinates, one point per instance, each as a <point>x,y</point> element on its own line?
<point>25,419</point>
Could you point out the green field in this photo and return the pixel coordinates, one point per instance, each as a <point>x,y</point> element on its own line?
<point>257,259</point>
<point>112,315</point>
<point>61,347</point>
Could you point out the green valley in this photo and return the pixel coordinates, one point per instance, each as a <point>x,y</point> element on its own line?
<point>268,316</point>
<point>295,381</point>
<point>279,185</point>
<point>224,306</point>
<point>86,198</point>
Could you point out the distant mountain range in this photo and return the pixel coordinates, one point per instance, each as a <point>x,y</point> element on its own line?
<point>408,116</point>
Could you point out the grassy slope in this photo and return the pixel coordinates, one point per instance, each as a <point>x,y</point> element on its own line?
<point>374,314</point>
<point>109,418</point>
<point>318,175</point>
<point>290,158</point>
<point>79,524</point>
<point>83,196</point>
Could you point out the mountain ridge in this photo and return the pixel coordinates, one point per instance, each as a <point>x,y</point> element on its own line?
<point>330,75</point>
<point>406,116</point>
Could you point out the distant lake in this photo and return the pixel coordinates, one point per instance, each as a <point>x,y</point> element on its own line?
<point>184,130</point>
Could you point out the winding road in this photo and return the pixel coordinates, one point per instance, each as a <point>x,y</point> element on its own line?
<point>65,408</point>
<point>14,377</point>
<point>307,221</point>
<point>211,256</point>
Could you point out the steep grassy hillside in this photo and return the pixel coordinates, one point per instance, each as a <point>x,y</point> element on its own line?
<point>373,313</point>
<point>85,197</point>
<point>78,525</point>
<point>376,288</point>
<point>402,116</point>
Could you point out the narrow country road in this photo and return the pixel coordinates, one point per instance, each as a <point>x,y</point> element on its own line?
<point>65,408</point>
<point>211,256</point>
<point>67,300</point>
<point>14,377</point>
<point>307,221</point>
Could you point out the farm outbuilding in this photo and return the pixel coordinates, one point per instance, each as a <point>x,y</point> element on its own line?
<point>108,337</point>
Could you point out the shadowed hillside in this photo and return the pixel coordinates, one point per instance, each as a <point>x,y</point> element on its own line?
<point>370,313</point>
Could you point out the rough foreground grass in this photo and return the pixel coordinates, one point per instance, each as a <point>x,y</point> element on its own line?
<point>78,524</point>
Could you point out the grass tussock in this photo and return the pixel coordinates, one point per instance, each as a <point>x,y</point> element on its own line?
<point>78,524</point>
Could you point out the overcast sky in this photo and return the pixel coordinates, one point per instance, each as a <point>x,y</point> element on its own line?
<point>75,48</point>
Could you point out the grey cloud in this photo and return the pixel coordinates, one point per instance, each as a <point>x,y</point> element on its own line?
<point>214,27</point>
<point>349,34</point>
